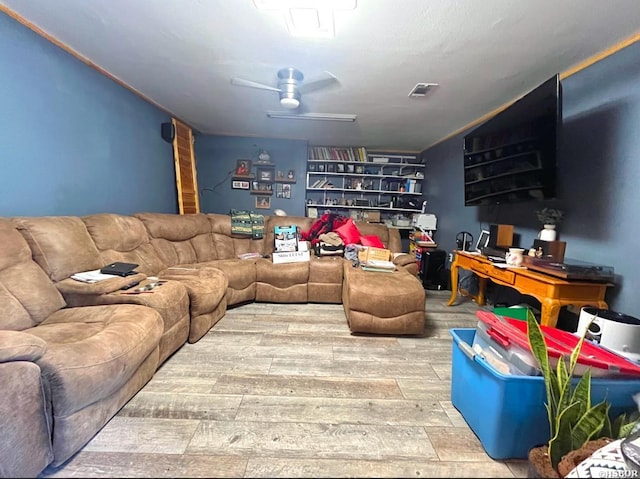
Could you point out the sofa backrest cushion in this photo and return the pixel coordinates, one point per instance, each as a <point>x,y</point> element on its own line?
<point>125,239</point>
<point>27,295</point>
<point>229,246</point>
<point>61,245</point>
<point>180,239</point>
<point>389,236</point>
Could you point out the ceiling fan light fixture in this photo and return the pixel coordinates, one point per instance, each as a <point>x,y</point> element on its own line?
<point>289,103</point>
<point>312,116</point>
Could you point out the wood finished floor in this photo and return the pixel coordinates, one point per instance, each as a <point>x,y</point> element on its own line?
<point>278,390</point>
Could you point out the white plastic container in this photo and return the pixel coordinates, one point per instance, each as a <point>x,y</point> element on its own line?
<point>615,331</point>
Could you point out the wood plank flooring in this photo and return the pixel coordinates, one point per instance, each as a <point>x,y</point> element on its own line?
<point>277,390</point>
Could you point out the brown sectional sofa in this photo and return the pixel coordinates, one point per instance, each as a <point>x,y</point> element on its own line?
<point>75,353</point>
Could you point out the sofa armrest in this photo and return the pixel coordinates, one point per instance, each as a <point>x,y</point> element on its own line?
<point>106,286</point>
<point>403,259</point>
<point>20,346</point>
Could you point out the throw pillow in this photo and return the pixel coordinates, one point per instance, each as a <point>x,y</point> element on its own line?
<point>371,240</point>
<point>349,232</point>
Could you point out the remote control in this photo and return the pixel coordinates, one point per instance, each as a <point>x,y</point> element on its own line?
<point>131,285</point>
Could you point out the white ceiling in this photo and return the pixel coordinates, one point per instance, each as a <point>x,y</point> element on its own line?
<point>181,54</point>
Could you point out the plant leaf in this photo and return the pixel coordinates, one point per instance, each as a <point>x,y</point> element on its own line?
<point>562,443</point>
<point>590,424</point>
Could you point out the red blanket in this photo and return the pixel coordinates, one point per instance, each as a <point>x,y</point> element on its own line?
<point>327,223</point>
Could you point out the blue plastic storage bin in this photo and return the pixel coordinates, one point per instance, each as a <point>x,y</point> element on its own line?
<point>507,412</point>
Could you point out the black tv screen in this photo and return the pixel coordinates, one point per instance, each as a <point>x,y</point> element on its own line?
<point>512,156</point>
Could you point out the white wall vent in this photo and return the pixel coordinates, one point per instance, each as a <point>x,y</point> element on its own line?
<point>421,89</point>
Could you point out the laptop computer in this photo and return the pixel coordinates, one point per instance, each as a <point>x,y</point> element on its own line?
<point>119,269</point>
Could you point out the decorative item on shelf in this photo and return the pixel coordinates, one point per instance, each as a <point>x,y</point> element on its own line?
<point>263,157</point>
<point>548,233</point>
<point>549,217</point>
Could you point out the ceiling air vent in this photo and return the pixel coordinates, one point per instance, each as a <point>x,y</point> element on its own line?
<point>421,89</point>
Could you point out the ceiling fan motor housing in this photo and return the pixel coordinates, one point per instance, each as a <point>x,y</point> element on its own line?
<point>288,80</point>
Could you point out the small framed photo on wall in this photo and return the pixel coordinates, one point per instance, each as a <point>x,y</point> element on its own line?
<point>243,168</point>
<point>263,202</point>
<point>240,185</point>
<point>265,174</point>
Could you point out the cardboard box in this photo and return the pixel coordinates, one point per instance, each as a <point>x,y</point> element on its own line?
<point>291,257</point>
<point>286,238</point>
<point>371,216</point>
<point>370,253</point>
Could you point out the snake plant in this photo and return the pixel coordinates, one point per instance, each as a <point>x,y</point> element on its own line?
<point>572,419</point>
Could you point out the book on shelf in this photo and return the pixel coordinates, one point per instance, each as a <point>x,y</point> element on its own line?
<point>331,153</point>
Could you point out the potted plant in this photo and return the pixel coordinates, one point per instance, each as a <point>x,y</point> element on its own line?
<point>574,424</point>
<point>550,218</point>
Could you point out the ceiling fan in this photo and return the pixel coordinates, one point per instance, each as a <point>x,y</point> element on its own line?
<point>291,85</point>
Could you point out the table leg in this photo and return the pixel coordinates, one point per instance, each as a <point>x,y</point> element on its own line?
<point>550,312</point>
<point>454,282</point>
<point>482,288</point>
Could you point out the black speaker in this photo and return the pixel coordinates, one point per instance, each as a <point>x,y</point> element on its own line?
<point>464,240</point>
<point>432,266</point>
<point>168,132</point>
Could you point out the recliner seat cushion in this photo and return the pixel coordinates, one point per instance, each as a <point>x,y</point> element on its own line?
<point>93,350</point>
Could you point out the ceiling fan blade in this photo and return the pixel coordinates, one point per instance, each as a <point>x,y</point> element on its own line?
<point>252,84</point>
<point>327,79</point>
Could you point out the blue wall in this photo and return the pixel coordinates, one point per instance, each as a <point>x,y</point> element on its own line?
<point>73,141</point>
<point>217,158</point>
<point>598,175</point>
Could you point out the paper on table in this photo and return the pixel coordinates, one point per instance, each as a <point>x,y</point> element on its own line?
<point>91,276</point>
<point>505,265</point>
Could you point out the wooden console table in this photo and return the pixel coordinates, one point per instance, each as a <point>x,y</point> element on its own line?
<point>552,292</point>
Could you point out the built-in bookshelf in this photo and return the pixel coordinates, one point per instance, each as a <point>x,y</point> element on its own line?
<point>356,182</point>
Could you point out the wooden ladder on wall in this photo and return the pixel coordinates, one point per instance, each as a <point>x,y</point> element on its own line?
<point>185,163</point>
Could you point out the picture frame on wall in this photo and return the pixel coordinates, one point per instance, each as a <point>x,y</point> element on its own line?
<point>243,168</point>
<point>263,202</point>
<point>265,174</point>
<point>239,185</point>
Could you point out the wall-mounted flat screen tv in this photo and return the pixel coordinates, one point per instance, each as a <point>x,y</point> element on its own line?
<point>512,156</point>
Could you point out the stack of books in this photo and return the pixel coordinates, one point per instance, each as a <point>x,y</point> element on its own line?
<point>379,266</point>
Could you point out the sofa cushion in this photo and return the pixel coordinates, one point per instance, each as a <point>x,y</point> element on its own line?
<point>27,296</point>
<point>93,351</point>
<point>371,240</point>
<point>349,232</point>
<point>125,239</point>
<point>227,246</point>
<point>180,239</point>
<point>61,245</point>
